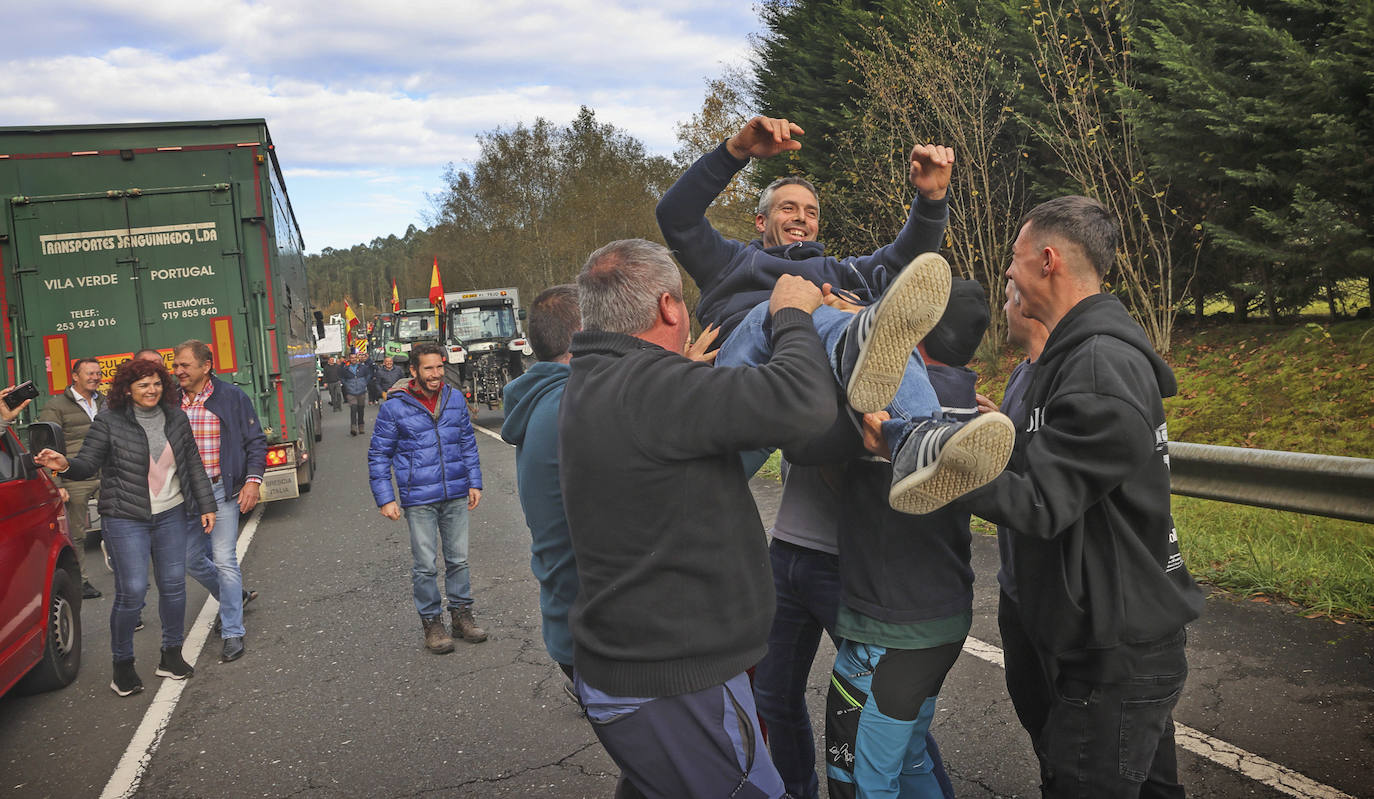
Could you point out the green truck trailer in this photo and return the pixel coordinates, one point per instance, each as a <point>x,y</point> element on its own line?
<point>116,238</point>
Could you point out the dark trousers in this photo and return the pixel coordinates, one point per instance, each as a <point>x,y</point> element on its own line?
<point>357,404</point>
<point>701,745</point>
<point>1093,738</point>
<point>807,582</point>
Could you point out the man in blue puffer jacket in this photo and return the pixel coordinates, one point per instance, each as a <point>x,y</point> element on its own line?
<point>425,436</point>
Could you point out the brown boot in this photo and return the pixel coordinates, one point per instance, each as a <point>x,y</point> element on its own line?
<point>437,639</point>
<point>465,627</point>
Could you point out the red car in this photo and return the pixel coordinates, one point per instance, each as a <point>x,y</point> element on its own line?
<point>40,581</point>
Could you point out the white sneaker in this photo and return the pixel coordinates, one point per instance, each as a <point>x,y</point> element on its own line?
<point>880,339</point>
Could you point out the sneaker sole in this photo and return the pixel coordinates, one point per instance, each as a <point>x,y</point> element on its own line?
<point>973,457</point>
<point>442,650</point>
<point>161,672</point>
<point>130,692</point>
<point>907,311</point>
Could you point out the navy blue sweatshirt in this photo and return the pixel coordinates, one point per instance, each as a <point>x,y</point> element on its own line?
<point>734,276</point>
<point>899,568</point>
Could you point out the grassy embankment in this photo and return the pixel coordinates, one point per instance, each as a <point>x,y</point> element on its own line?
<point>1304,388</point>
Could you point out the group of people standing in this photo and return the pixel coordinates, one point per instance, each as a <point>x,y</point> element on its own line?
<point>686,634</point>
<point>680,625</point>
<point>175,457</point>
<point>359,382</point>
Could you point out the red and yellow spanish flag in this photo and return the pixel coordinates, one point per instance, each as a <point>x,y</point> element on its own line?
<point>351,322</point>
<point>436,289</point>
<point>395,299</point>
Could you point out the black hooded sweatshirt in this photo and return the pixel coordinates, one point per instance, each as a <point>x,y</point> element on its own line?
<point>1086,495</point>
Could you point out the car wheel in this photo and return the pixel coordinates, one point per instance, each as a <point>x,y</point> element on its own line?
<point>62,649</point>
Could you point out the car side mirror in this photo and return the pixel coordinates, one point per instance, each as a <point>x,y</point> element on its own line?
<point>46,435</point>
<point>520,314</point>
<point>319,324</point>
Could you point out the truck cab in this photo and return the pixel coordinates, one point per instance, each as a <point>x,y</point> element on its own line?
<point>382,330</point>
<point>485,342</point>
<point>418,321</point>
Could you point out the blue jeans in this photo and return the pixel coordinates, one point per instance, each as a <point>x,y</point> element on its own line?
<point>704,744</point>
<point>213,561</point>
<point>750,344</point>
<point>130,543</point>
<point>443,523</point>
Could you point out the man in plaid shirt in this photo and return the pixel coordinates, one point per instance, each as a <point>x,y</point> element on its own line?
<point>234,451</point>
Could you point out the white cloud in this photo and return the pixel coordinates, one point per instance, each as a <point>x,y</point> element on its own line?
<point>361,93</point>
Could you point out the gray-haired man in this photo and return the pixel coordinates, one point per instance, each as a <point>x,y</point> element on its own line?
<point>676,595</point>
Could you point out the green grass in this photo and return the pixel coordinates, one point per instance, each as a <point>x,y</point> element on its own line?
<point>1325,566</point>
<point>1305,388</point>
<point>1297,388</point>
<point>771,468</point>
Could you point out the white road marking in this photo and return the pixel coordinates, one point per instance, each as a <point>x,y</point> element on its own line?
<point>479,428</point>
<point>129,773</point>
<point>1280,778</point>
<point>124,783</point>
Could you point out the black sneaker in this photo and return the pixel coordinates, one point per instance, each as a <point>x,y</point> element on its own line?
<point>879,340</point>
<point>140,624</point>
<point>125,681</point>
<point>940,461</point>
<point>89,591</point>
<point>172,665</point>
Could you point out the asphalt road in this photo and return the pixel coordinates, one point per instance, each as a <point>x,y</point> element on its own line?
<point>338,698</point>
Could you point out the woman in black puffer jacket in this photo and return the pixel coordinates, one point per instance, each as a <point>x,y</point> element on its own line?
<point>151,480</point>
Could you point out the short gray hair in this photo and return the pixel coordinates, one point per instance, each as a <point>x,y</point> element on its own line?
<point>199,350</point>
<point>766,197</point>
<point>619,286</point>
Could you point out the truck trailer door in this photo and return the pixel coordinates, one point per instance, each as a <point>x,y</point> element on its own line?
<point>104,275</point>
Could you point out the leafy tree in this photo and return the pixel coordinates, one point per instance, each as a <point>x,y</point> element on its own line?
<point>1260,113</point>
<point>1079,101</point>
<point>527,212</point>
<point>804,72</point>
<point>723,112</point>
<point>540,198</point>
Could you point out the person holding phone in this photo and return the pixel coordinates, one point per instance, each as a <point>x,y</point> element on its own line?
<point>153,477</point>
<point>10,408</point>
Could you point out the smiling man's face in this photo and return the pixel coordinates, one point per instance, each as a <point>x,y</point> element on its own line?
<point>794,216</point>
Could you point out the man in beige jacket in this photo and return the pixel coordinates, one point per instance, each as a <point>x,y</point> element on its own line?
<point>74,410</point>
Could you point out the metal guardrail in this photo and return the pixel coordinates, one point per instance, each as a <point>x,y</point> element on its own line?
<point>1322,485</point>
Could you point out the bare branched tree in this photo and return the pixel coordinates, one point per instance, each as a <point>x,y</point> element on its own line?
<point>936,78</point>
<point>1083,61</point>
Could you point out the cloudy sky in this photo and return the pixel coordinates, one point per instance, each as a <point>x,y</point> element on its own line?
<point>367,101</point>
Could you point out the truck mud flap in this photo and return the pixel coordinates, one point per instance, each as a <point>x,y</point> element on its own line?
<point>280,484</point>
